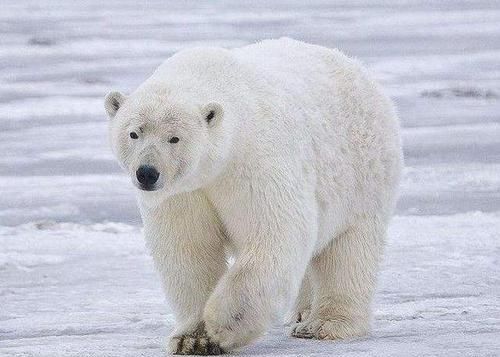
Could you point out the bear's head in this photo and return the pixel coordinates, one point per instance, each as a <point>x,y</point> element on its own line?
<point>166,145</point>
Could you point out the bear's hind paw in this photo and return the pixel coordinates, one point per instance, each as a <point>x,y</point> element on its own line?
<point>332,329</point>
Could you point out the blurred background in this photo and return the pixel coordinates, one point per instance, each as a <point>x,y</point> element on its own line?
<point>66,209</point>
<point>439,61</point>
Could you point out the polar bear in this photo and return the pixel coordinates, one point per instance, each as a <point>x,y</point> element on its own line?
<point>282,155</point>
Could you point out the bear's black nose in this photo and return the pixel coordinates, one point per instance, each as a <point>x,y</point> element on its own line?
<point>147,176</point>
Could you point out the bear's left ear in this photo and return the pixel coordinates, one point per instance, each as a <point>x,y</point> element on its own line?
<point>212,113</point>
<point>113,102</point>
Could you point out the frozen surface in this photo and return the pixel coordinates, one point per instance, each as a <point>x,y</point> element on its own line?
<point>84,286</point>
<point>90,290</point>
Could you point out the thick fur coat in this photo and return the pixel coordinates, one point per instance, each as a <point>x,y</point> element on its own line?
<point>282,155</point>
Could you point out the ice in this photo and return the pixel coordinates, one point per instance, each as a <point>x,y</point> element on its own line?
<point>70,290</point>
<point>75,279</point>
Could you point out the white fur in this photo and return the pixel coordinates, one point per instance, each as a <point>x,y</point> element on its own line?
<point>298,170</point>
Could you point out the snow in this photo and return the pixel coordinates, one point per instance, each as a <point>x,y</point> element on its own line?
<point>75,279</point>
<point>71,289</point>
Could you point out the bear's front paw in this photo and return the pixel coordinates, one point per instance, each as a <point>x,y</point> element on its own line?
<point>331,329</point>
<point>225,330</point>
<point>194,343</point>
<point>232,323</point>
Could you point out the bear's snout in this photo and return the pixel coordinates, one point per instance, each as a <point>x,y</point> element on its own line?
<point>147,176</point>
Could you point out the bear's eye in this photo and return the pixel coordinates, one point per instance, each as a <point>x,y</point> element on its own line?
<point>210,116</point>
<point>134,135</point>
<point>174,140</point>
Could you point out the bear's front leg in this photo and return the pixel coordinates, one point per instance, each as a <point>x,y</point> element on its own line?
<point>274,237</point>
<point>186,241</point>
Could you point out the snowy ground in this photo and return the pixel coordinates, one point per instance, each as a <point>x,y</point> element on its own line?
<point>74,277</point>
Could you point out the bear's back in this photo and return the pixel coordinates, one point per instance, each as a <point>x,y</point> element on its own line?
<point>287,56</point>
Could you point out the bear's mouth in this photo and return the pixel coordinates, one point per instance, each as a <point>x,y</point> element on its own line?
<point>147,188</point>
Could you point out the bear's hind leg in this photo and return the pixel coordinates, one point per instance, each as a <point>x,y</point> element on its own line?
<point>302,306</point>
<point>344,274</point>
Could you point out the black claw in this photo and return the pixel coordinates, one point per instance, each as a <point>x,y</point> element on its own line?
<point>179,346</point>
<point>209,349</point>
<point>196,346</point>
<point>303,335</point>
<point>214,349</point>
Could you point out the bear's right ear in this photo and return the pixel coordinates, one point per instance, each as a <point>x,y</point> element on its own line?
<point>113,102</point>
